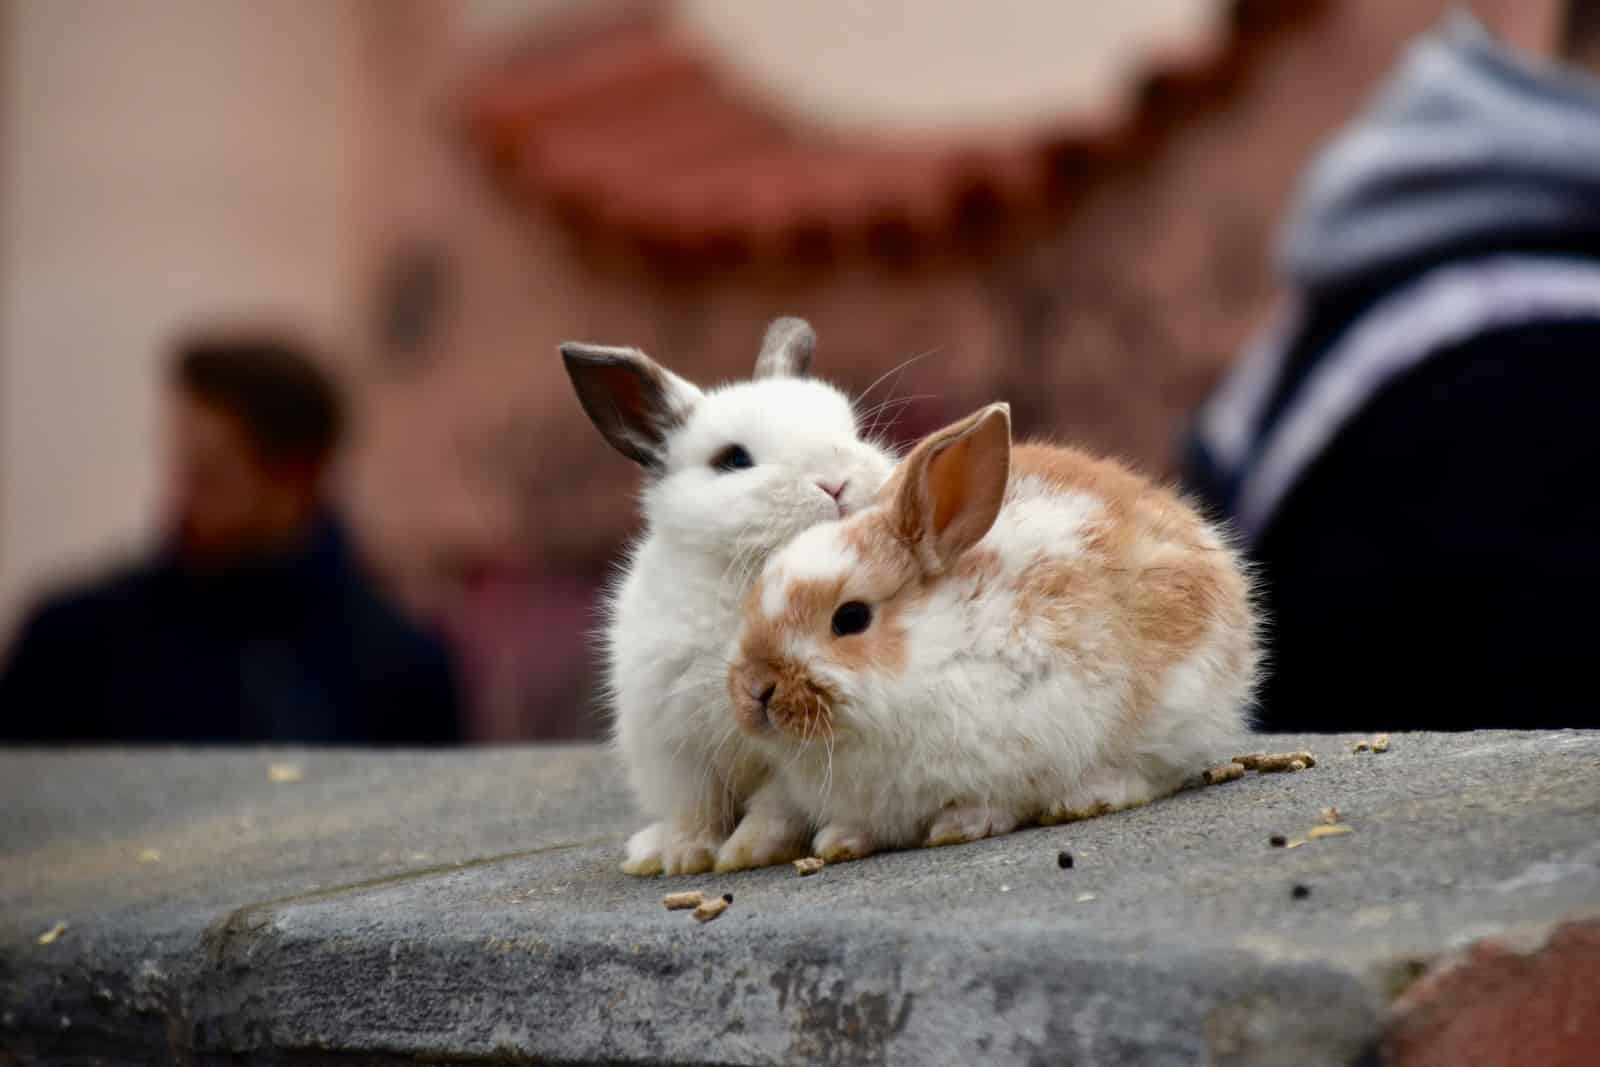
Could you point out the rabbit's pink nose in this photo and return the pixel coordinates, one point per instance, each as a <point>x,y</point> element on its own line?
<point>833,489</point>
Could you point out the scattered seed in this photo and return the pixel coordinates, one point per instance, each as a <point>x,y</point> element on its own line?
<point>1064,860</point>
<point>710,909</point>
<point>150,855</point>
<point>1327,831</point>
<point>1330,816</point>
<point>1375,743</point>
<point>1227,772</point>
<point>49,936</point>
<point>1084,898</point>
<point>1269,763</point>
<point>809,865</point>
<point>285,773</point>
<point>1294,842</point>
<point>680,901</point>
<point>1300,892</point>
<point>1005,889</point>
<point>1277,840</point>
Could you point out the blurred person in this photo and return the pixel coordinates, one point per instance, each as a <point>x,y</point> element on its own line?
<point>1409,452</point>
<point>251,622</point>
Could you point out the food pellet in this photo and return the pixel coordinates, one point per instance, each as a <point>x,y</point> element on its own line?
<point>680,901</point>
<point>1327,831</point>
<point>1277,840</point>
<point>1300,892</point>
<point>1380,743</point>
<point>1225,773</point>
<point>710,909</point>
<point>1064,860</point>
<point>49,936</point>
<point>809,865</point>
<point>1275,762</point>
<point>284,773</point>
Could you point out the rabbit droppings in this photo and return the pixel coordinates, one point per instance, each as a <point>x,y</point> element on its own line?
<point>1008,635</point>
<point>730,474</point>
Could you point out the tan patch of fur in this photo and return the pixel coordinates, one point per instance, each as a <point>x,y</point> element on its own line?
<point>799,706</point>
<point>809,605</point>
<point>1147,566</point>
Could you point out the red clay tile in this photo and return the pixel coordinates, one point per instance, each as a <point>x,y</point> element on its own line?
<point>634,133</point>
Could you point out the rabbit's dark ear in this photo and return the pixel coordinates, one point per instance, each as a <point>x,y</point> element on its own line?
<point>951,486</point>
<point>633,400</point>
<point>786,349</point>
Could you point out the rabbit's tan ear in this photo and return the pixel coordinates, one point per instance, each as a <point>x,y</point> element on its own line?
<point>952,485</point>
<point>633,400</point>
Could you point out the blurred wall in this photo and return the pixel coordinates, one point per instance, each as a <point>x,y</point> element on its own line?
<point>913,66</point>
<point>180,158</point>
<point>163,160</point>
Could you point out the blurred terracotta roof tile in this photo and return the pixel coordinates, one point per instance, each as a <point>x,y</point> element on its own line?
<point>630,131</point>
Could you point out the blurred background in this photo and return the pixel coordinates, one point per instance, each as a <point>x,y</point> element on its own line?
<point>1071,204</point>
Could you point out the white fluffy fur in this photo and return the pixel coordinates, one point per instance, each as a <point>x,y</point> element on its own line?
<point>991,724</point>
<point>676,607</point>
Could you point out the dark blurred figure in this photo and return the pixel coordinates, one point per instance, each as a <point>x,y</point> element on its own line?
<point>1411,455</point>
<point>252,622</point>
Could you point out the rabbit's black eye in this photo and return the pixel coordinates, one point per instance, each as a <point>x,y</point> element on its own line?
<point>851,618</point>
<point>732,458</point>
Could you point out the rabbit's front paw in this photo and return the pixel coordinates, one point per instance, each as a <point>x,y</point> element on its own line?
<point>958,824</point>
<point>664,849</point>
<point>763,839</point>
<point>838,842</point>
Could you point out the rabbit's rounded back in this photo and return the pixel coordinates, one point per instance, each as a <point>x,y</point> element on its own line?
<point>1031,608</point>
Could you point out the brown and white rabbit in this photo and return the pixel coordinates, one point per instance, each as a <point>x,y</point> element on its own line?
<point>1008,635</point>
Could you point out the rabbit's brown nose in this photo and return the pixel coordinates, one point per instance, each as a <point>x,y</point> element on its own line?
<point>753,689</point>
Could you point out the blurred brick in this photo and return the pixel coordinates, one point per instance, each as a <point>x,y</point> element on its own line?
<point>1496,1007</point>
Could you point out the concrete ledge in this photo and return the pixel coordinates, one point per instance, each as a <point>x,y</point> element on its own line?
<point>461,906</point>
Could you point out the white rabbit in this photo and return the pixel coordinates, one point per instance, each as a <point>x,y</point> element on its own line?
<point>730,474</point>
<point>1007,636</point>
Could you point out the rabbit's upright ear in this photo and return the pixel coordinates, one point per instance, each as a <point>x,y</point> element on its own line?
<point>786,349</point>
<point>633,400</point>
<point>952,486</point>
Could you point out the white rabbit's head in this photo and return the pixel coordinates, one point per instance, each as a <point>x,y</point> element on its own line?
<point>737,470</point>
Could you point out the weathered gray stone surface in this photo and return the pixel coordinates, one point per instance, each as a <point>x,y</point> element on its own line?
<point>467,905</point>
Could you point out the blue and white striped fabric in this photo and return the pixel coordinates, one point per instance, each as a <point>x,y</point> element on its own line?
<point>1444,307</point>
